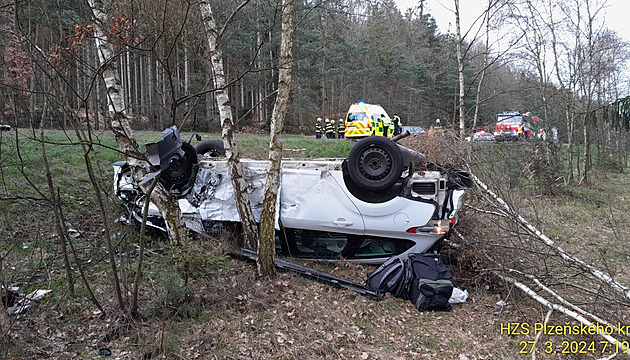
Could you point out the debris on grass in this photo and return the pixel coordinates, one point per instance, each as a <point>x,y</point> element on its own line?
<point>23,304</point>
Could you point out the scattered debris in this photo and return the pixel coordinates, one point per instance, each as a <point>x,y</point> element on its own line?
<point>73,233</point>
<point>459,296</point>
<point>9,296</point>
<point>315,274</point>
<point>25,303</point>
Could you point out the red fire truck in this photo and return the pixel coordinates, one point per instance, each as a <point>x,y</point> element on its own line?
<point>508,123</point>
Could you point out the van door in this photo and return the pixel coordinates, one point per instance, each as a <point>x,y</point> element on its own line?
<point>312,199</point>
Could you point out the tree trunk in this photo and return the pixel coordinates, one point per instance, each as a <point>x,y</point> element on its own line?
<point>60,227</point>
<point>460,71</point>
<point>266,248</point>
<point>485,65</point>
<point>225,112</point>
<point>587,149</point>
<point>4,320</point>
<point>570,125</point>
<point>169,207</point>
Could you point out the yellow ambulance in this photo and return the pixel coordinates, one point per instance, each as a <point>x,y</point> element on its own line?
<point>362,120</point>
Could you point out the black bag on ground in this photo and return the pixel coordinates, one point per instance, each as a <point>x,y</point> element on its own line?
<point>393,276</point>
<point>432,284</point>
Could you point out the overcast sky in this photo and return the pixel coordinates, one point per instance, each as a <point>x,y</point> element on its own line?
<point>617,13</point>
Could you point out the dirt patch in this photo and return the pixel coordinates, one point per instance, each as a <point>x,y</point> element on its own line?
<point>238,316</point>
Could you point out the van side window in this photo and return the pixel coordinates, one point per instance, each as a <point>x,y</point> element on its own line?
<point>330,245</point>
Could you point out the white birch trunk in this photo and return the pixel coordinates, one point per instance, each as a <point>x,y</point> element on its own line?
<point>127,144</point>
<point>225,112</point>
<point>266,246</point>
<point>578,316</point>
<point>618,287</point>
<point>485,65</point>
<point>460,71</point>
<point>105,51</point>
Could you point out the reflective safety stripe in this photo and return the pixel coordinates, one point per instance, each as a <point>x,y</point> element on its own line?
<point>358,132</point>
<point>379,129</point>
<point>356,125</point>
<point>357,128</point>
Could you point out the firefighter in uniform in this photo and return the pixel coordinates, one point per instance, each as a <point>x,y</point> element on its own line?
<point>386,126</point>
<point>334,129</point>
<point>341,129</point>
<point>437,129</point>
<point>397,125</point>
<point>329,129</point>
<point>318,128</point>
<point>378,127</point>
<point>372,125</point>
<point>519,132</point>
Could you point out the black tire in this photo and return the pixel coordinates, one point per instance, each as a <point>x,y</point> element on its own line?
<point>375,163</point>
<point>180,171</point>
<point>211,148</point>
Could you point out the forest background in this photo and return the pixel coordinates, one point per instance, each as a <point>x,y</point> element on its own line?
<point>556,60</point>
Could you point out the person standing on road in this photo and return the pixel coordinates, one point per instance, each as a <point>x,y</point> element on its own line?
<point>387,126</point>
<point>397,125</point>
<point>437,128</point>
<point>372,125</point>
<point>318,128</point>
<point>329,129</point>
<point>341,129</point>
<point>378,126</point>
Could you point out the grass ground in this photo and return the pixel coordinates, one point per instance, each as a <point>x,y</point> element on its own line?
<point>225,312</point>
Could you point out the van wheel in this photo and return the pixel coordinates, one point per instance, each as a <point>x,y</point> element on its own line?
<point>180,171</point>
<point>375,163</point>
<point>211,148</point>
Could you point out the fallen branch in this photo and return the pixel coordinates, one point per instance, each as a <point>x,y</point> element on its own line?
<point>570,313</point>
<point>487,212</point>
<point>606,279</point>
<point>610,357</point>
<point>540,333</point>
<point>563,301</point>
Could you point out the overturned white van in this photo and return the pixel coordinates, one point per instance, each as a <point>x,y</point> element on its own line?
<point>366,207</point>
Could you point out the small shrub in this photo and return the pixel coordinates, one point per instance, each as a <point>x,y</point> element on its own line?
<point>172,298</point>
<point>195,262</point>
<point>610,163</point>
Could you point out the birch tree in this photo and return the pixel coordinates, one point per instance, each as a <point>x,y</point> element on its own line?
<point>593,73</point>
<point>266,248</point>
<point>225,112</point>
<point>484,68</point>
<point>460,71</point>
<point>121,128</point>
<point>564,76</point>
<point>536,43</point>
